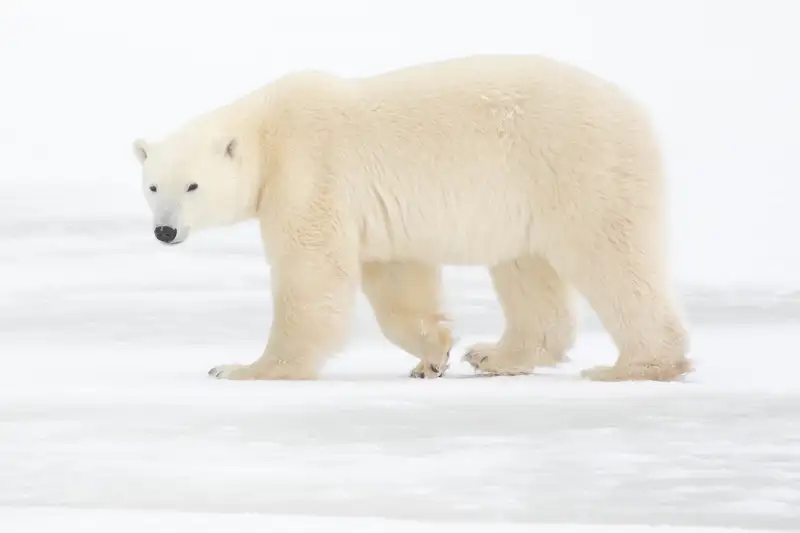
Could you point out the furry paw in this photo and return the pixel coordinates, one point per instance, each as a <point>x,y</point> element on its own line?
<point>233,372</point>
<point>428,370</point>
<point>658,371</point>
<point>488,359</point>
<point>259,372</point>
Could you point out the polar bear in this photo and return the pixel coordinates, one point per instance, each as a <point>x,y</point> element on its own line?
<point>546,174</point>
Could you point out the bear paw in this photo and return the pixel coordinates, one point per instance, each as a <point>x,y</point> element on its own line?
<point>428,370</point>
<point>658,371</point>
<point>234,372</point>
<point>488,359</point>
<point>259,372</point>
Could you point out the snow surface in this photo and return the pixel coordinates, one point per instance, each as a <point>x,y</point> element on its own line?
<point>107,407</point>
<point>108,421</point>
<point>172,522</point>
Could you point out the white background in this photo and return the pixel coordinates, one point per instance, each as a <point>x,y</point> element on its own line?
<point>81,79</point>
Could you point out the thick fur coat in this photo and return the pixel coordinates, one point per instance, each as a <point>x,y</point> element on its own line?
<point>548,175</point>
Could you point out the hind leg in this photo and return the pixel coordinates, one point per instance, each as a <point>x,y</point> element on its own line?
<point>406,299</point>
<point>539,315</point>
<point>620,269</point>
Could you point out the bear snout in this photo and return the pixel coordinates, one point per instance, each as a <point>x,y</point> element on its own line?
<point>165,234</point>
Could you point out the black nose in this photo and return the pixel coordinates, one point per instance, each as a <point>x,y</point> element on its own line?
<point>166,233</point>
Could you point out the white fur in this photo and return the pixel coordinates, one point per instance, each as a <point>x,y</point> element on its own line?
<point>546,174</point>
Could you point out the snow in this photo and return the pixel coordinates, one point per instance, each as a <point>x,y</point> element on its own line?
<point>109,409</point>
<point>108,421</point>
<point>172,522</point>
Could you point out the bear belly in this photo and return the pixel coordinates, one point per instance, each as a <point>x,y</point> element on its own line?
<point>464,236</point>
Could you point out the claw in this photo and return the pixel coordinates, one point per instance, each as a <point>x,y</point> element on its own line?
<point>419,371</point>
<point>469,357</point>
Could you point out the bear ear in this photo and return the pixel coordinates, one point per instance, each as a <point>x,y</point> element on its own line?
<point>140,149</point>
<point>230,150</point>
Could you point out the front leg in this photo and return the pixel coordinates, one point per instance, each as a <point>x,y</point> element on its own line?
<point>314,295</point>
<point>406,297</point>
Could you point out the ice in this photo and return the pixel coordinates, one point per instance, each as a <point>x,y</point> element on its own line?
<point>173,522</point>
<point>105,406</point>
<point>108,421</point>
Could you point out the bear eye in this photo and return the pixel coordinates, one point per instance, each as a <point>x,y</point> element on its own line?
<point>191,187</point>
<point>153,188</point>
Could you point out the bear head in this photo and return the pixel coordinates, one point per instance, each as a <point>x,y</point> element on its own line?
<point>204,175</point>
